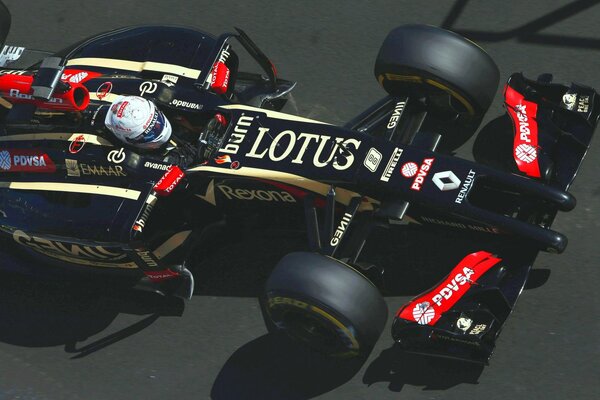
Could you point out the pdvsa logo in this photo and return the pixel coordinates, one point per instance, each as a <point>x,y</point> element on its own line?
<point>5,162</point>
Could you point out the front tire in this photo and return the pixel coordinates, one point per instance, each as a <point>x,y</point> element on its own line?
<point>325,304</point>
<point>456,76</point>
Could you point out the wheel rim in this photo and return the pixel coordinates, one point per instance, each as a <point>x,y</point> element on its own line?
<point>317,332</point>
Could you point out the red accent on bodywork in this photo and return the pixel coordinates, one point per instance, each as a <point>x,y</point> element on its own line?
<point>17,89</point>
<point>169,181</point>
<point>223,159</point>
<point>77,144</point>
<point>220,78</point>
<point>319,202</point>
<point>523,114</point>
<point>159,276</point>
<point>78,75</point>
<point>445,295</point>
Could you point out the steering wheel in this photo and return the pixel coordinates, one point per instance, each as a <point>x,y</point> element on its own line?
<point>211,137</point>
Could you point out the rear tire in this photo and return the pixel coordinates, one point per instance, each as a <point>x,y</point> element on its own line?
<point>458,78</point>
<point>324,304</point>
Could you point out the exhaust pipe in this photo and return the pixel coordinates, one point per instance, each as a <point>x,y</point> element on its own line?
<point>17,89</point>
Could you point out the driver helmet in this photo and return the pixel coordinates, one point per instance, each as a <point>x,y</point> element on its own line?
<point>136,121</point>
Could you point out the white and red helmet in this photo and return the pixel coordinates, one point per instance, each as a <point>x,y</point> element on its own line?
<point>137,121</point>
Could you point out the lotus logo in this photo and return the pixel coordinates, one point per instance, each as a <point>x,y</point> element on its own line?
<point>5,162</point>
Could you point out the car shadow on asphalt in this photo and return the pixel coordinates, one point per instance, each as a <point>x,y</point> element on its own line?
<point>400,368</point>
<point>271,367</point>
<point>41,313</point>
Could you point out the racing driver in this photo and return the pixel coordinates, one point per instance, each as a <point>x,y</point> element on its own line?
<point>138,123</point>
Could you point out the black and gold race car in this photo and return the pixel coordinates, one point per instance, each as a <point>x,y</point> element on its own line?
<point>74,198</point>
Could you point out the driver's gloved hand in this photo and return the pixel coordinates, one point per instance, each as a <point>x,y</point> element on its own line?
<point>183,155</point>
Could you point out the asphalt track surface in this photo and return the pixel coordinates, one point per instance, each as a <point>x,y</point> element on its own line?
<point>63,342</point>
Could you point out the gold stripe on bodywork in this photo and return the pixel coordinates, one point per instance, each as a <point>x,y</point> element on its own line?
<point>137,66</point>
<point>67,137</point>
<point>74,188</point>
<point>341,195</point>
<point>272,114</point>
<point>109,97</point>
<point>171,244</point>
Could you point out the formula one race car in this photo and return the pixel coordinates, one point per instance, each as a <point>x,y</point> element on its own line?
<point>75,198</point>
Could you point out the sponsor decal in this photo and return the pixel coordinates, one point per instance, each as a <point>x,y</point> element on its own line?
<point>220,77</point>
<point>480,328</point>
<point>569,100</point>
<point>158,166</point>
<point>460,225</point>
<point>10,53</point>
<point>147,87</point>
<point>459,278</point>
<point>391,165</point>
<point>72,167</point>
<point>523,114</point>
<point>76,77</point>
<point>186,104</point>
<point>116,156</point>
<point>25,161</point>
<point>443,297</point>
<point>149,124</point>
<point>423,313</point>
<point>396,114</point>
<point>252,194</point>
<point>446,180</point>
<point>339,232</point>
<point>372,160</point>
<point>157,276</point>
<point>5,160</point>
<point>169,181</point>
<point>13,72</point>
<point>409,169</point>
<point>72,251</point>
<point>466,186</point>
<point>583,104</point>
<point>224,55</point>
<point>239,133</point>
<point>100,170</point>
<point>524,131</point>
<point>140,223</point>
<point>122,106</point>
<point>169,79</point>
<point>235,165</point>
<point>147,258</point>
<point>75,169</point>
<point>288,145</point>
<point>104,90</point>
<point>16,93</point>
<point>464,323</point>
<point>77,144</point>
<point>526,153</point>
<point>422,174</point>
